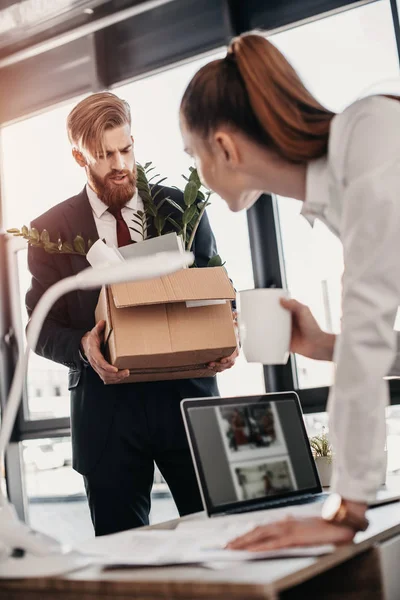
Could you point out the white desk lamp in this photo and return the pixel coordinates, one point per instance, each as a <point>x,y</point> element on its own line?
<point>24,552</point>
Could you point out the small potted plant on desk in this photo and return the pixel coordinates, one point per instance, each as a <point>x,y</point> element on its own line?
<point>322,452</point>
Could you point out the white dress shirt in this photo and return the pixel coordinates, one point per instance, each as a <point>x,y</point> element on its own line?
<point>106,224</point>
<point>355,191</point>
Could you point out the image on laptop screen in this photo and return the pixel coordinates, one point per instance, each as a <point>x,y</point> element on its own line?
<point>250,449</point>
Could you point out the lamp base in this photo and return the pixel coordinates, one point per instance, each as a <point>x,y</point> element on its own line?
<point>27,553</point>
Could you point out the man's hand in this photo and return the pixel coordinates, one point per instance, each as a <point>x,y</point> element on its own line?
<point>308,338</point>
<point>224,363</point>
<point>290,532</point>
<point>91,344</point>
<point>229,361</point>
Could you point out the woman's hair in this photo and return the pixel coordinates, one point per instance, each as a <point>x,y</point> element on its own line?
<point>255,90</point>
<point>91,117</point>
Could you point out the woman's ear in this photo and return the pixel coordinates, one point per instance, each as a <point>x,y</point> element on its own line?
<point>226,144</point>
<point>78,156</point>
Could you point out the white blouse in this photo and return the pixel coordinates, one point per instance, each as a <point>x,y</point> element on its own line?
<point>355,191</point>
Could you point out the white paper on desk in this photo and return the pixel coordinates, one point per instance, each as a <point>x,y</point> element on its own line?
<point>135,547</point>
<point>160,547</point>
<point>225,528</point>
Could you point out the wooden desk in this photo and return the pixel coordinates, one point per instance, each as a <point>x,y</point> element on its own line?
<point>352,571</point>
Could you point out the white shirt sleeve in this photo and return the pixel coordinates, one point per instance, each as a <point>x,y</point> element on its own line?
<point>365,350</point>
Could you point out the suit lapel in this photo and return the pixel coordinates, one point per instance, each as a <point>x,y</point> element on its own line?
<point>79,219</point>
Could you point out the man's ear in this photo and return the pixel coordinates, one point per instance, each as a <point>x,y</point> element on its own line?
<point>78,156</point>
<point>225,143</point>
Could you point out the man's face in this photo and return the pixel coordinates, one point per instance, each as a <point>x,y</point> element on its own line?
<point>113,175</point>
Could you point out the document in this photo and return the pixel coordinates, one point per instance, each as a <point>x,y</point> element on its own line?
<point>170,242</point>
<point>191,543</point>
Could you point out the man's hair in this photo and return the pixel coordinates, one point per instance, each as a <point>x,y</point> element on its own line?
<point>91,117</point>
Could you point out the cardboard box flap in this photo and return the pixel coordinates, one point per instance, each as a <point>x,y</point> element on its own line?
<point>188,284</point>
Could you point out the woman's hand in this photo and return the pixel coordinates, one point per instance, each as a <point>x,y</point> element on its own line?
<point>308,338</point>
<point>290,532</point>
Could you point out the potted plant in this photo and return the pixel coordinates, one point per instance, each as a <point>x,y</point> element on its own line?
<point>323,455</point>
<point>185,219</point>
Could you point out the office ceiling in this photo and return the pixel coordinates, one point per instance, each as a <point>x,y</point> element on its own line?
<point>24,23</point>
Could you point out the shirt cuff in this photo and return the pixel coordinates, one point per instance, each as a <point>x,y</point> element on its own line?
<point>364,490</point>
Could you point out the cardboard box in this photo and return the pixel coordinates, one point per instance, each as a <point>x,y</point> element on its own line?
<point>151,331</point>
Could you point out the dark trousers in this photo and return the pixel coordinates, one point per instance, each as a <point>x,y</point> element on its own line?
<point>146,429</point>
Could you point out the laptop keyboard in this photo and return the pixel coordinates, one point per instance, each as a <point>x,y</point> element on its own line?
<point>281,503</point>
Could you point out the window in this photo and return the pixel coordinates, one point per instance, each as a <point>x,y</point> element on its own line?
<point>37,172</point>
<point>339,58</point>
<point>56,495</point>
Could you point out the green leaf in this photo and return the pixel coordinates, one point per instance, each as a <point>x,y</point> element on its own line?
<point>145,196</point>
<point>155,196</point>
<point>67,248</point>
<point>159,223</point>
<point>140,213</point>
<point>200,195</point>
<point>185,178</point>
<point>195,178</point>
<point>151,209</point>
<point>147,165</point>
<point>24,230</point>
<point>175,205</point>
<point>34,234</point>
<point>89,244</point>
<point>13,230</point>
<point>51,247</point>
<point>153,177</point>
<point>136,231</point>
<point>79,244</point>
<point>189,213</point>
<point>44,236</point>
<point>190,193</point>
<point>175,224</point>
<point>158,182</point>
<point>215,261</point>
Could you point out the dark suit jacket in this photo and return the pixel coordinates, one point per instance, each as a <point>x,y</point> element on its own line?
<point>92,402</point>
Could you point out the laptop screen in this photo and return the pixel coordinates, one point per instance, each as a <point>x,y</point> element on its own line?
<point>249,449</point>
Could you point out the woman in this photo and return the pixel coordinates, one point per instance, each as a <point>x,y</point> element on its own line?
<point>252,126</point>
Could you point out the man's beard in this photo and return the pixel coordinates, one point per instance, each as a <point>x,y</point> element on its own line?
<point>113,195</point>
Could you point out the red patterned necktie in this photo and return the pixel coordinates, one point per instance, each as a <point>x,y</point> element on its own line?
<point>123,233</point>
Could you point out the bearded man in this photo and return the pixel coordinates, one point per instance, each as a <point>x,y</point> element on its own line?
<point>118,431</point>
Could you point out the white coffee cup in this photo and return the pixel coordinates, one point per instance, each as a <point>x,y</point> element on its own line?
<point>265,327</point>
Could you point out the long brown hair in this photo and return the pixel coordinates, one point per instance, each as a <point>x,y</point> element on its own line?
<point>256,90</point>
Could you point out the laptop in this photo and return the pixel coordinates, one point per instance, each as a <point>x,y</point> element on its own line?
<point>252,453</point>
